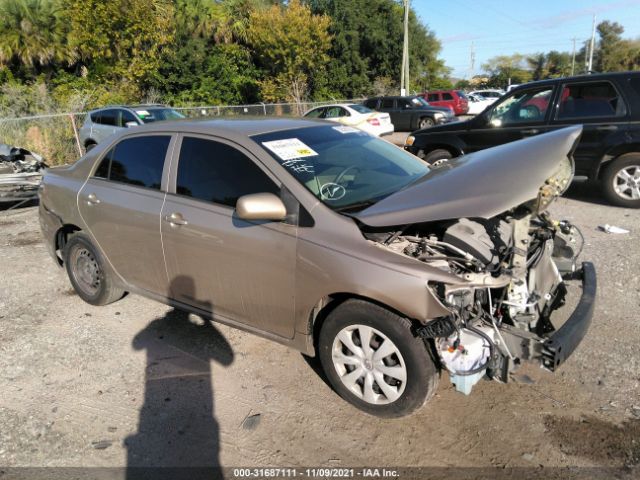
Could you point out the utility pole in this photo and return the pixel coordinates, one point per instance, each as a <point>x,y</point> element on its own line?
<point>573,57</point>
<point>592,46</point>
<point>404,75</point>
<point>472,59</point>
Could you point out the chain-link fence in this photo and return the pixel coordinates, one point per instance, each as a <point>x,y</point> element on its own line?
<point>55,136</point>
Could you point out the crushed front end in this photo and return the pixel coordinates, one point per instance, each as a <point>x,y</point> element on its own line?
<point>514,272</point>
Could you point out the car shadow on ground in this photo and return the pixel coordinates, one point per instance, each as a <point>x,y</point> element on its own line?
<point>588,191</point>
<point>178,434</point>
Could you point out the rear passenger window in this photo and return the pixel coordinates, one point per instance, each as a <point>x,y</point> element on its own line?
<point>590,100</point>
<point>107,117</point>
<point>387,103</point>
<point>126,117</point>
<point>216,172</point>
<point>317,113</point>
<point>136,161</point>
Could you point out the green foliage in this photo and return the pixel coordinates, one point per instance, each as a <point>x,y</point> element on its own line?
<point>121,38</point>
<point>290,44</point>
<point>213,51</point>
<point>31,35</point>
<point>615,53</point>
<point>505,68</point>
<point>367,44</point>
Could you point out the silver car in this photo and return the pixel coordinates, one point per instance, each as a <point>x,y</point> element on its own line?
<point>333,242</point>
<point>104,122</point>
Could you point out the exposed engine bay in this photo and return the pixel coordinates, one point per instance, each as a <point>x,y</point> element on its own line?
<point>20,173</point>
<point>512,270</point>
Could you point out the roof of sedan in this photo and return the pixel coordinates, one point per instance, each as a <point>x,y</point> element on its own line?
<point>231,126</point>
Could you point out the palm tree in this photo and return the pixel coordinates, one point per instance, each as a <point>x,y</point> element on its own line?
<point>30,33</point>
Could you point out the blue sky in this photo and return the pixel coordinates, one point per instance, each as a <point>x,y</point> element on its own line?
<point>499,27</point>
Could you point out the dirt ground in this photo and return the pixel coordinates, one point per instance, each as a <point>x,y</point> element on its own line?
<point>137,383</point>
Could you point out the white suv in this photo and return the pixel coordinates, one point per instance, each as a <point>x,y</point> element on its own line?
<point>103,122</point>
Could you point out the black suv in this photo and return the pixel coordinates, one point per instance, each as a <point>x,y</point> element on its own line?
<point>607,105</point>
<point>410,113</point>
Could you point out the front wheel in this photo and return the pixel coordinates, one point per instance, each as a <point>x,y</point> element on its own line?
<point>621,181</point>
<point>86,272</point>
<point>437,158</point>
<point>373,360</point>
<point>425,122</point>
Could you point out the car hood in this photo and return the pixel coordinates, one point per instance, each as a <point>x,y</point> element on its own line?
<point>482,184</point>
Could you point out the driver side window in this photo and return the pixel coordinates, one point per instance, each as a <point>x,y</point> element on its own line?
<point>528,106</point>
<point>218,173</point>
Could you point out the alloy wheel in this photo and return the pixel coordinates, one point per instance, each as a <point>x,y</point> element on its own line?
<point>626,183</point>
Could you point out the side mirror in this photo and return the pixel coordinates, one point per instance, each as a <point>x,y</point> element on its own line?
<point>261,206</point>
<point>131,124</point>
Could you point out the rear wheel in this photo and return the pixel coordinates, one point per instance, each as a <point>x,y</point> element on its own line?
<point>373,360</point>
<point>425,122</point>
<point>437,158</point>
<point>621,181</point>
<point>86,272</point>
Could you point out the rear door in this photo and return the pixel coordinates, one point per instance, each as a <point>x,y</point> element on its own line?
<point>405,114</point>
<point>388,105</point>
<point>518,115</point>
<point>434,99</point>
<point>106,125</point>
<point>238,270</point>
<point>603,113</point>
<point>449,101</point>
<point>121,203</point>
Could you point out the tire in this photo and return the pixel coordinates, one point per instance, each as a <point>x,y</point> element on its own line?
<point>425,122</point>
<point>437,158</point>
<point>88,277</point>
<point>358,379</point>
<point>621,181</point>
<point>89,146</point>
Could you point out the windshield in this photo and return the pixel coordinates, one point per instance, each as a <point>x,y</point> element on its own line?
<point>421,101</point>
<point>149,115</point>
<point>345,168</point>
<point>360,108</point>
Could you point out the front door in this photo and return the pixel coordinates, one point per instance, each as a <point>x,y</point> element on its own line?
<point>238,270</point>
<point>519,115</point>
<point>121,204</point>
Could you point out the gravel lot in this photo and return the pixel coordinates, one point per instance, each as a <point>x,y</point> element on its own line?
<point>137,383</point>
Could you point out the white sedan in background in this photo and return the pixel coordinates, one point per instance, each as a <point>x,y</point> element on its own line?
<point>355,115</point>
<point>477,103</point>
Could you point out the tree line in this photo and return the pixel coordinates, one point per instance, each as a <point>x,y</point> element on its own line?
<point>612,53</point>
<point>206,51</point>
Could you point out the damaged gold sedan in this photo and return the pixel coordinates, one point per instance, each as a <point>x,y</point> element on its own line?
<point>335,243</point>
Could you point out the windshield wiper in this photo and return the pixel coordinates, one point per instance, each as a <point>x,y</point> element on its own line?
<point>356,206</point>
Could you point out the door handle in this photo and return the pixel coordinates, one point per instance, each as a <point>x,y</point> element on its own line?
<point>175,219</point>
<point>531,131</point>
<point>607,128</point>
<point>92,199</point>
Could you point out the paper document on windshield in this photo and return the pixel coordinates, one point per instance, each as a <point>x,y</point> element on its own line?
<point>290,148</point>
